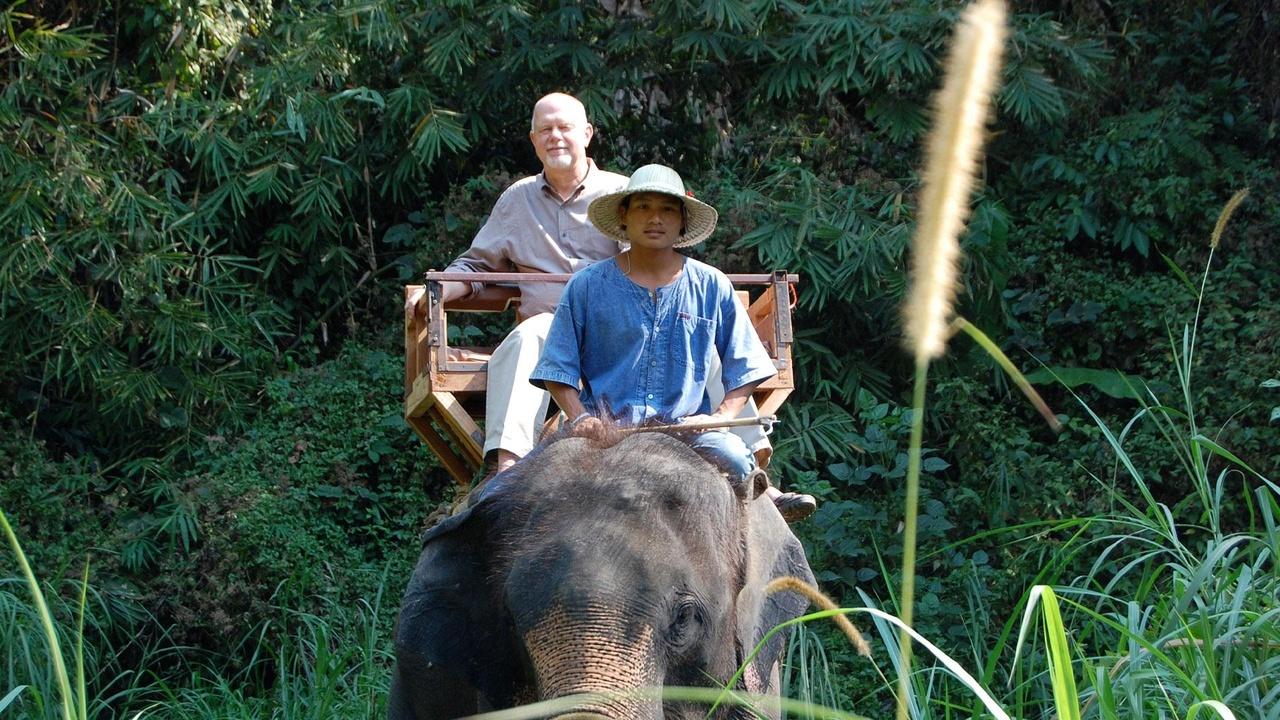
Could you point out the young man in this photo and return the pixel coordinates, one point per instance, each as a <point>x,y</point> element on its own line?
<point>636,335</point>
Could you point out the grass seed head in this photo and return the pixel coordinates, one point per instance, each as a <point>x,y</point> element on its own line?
<point>961,110</point>
<point>1225,215</point>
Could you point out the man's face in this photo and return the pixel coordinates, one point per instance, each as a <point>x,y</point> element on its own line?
<point>653,220</point>
<point>560,133</point>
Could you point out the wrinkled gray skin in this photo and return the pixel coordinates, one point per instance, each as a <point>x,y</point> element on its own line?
<point>586,569</point>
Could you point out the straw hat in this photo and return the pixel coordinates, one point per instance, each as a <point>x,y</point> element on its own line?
<point>701,217</point>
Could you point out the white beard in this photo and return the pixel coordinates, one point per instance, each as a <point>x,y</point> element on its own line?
<point>562,161</point>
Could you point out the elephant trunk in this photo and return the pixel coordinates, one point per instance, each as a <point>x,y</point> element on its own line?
<point>595,651</point>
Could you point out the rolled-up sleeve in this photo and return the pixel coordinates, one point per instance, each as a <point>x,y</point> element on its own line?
<point>742,356</point>
<point>490,251</point>
<point>561,359</point>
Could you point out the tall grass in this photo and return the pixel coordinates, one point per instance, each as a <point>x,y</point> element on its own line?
<point>72,703</point>
<point>1176,616</point>
<point>952,150</point>
<point>332,666</point>
<point>336,666</point>
<point>806,673</point>
<point>39,624</point>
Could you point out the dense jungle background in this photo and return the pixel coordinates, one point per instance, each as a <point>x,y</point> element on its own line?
<point>209,208</point>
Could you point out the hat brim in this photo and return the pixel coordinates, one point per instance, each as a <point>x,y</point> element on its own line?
<point>699,223</point>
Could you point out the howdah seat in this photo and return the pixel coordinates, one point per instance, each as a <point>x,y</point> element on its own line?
<point>444,386</point>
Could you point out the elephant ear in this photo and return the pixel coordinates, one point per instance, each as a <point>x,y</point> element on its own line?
<point>454,645</point>
<point>773,551</point>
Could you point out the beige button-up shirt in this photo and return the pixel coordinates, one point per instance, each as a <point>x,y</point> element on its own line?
<point>532,230</point>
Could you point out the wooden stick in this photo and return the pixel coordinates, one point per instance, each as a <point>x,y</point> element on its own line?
<point>765,421</point>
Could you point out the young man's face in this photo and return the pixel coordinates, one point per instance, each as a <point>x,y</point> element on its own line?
<point>653,220</point>
<point>560,133</point>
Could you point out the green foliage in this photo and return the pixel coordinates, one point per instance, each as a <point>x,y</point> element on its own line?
<point>333,664</point>
<point>854,539</point>
<point>1152,174</point>
<point>49,670</point>
<point>311,506</point>
<point>205,200</point>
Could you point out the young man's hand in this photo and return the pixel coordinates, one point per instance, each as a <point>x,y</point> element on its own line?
<point>700,418</point>
<point>588,427</point>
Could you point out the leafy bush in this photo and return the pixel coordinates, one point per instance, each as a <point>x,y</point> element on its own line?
<point>334,664</point>
<point>312,506</point>
<point>205,197</point>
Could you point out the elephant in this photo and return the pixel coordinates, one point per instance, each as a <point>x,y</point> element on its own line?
<point>597,568</point>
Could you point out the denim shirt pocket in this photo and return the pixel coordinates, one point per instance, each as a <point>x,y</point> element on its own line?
<point>693,344</point>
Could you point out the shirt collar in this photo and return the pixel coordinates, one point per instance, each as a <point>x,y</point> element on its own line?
<point>546,185</point>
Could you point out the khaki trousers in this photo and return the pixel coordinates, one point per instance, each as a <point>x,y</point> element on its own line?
<point>513,408</point>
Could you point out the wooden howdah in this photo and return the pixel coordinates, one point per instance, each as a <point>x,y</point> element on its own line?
<point>444,387</point>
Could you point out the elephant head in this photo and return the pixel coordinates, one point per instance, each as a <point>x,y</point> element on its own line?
<point>588,569</point>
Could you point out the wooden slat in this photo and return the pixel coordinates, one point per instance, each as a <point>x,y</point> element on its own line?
<point>419,399</point>
<point>412,325</point>
<point>460,426</point>
<point>761,314</point>
<point>460,382</point>
<point>781,381</point>
<point>771,402</point>
<point>455,465</point>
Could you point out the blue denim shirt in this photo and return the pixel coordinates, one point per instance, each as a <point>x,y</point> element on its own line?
<point>644,354</point>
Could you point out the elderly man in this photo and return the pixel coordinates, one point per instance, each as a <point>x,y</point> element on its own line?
<point>538,225</point>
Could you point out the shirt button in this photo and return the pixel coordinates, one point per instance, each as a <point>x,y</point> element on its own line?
<point>650,396</point>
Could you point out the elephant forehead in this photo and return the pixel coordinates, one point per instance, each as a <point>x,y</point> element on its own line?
<point>575,542</point>
<point>642,473</point>
<point>575,569</point>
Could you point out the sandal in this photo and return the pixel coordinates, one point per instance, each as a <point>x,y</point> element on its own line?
<point>795,507</point>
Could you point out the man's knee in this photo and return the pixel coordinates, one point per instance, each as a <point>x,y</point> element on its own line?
<point>514,359</point>
<point>531,331</point>
<point>726,451</point>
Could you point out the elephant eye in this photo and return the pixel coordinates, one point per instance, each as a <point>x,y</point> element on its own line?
<point>685,619</point>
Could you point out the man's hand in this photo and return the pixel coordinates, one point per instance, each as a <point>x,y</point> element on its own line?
<point>581,422</point>
<point>412,301</point>
<point>587,426</point>
<point>701,418</point>
<point>448,291</point>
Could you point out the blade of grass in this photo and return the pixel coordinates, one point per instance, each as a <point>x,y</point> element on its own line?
<point>46,620</point>
<point>84,589</point>
<point>1223,711</point>
<point>1065,698</point>
<point>13,694</point>
<point>1010,369</point>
